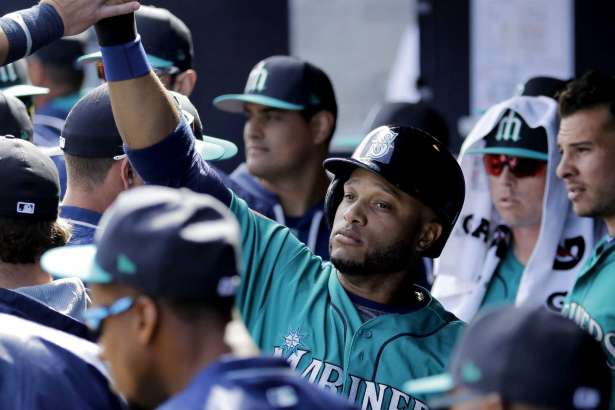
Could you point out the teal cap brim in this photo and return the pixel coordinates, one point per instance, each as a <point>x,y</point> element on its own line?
<point>25,90</point>
<point>215,149</point>
<point>235,102</point>
<point>514,152</point>
<point>74,262</point>
<point>156,62</point>
<point>441,383</point>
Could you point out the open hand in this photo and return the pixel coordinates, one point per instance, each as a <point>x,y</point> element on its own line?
<point>78,15</point>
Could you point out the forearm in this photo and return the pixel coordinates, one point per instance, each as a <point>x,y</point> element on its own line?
<point>24,31</point>
<point>143,111</point>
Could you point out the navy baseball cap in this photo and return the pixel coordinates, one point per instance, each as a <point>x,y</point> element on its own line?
<point>286,83</point>
<point>512,136</point>
<point>14,118</point>
<point>90,130</point>
<point>526,355</point>
<point>29,182</point>
<point>166,40</point>
<point>167,243</point>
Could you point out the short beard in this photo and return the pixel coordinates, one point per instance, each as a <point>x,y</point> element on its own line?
<point>396,258</point>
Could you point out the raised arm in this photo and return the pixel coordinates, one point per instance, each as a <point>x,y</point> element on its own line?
<point>144,113</point>
<point>25,31</point>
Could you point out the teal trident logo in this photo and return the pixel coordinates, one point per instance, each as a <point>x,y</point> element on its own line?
<point>125,265</point>
<point>509,128</point>
<point>470,373</point>
<point>257,79</point>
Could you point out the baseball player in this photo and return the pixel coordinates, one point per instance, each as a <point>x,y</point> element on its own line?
<point>518,241</point>
<point>98,169</point>
<point>357,326</point>
<point>587,141</point>
<point>291,113</point>
<point>161,313</point>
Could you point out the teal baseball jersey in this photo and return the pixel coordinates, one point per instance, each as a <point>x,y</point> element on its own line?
<point>295,307</point>
<point>504,284</point>
<point>591,303</point>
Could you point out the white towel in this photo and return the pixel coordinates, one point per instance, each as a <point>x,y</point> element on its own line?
<point>565,241</point>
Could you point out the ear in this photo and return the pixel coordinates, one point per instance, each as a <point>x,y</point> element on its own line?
<point>185,82</point>
<point>127,174</point>
<point>148,318</point>
<point>321,125</point>
<point>430,232</point>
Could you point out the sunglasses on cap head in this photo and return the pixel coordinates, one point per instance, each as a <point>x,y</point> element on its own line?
<point>160,72</point>
<point>520,167</point>
<point>94,317</point>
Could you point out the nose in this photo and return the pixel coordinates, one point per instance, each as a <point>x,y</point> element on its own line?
<point>354,213</point>
<point>252,129</point>
<point>564,168</point>
<point>506,177</point>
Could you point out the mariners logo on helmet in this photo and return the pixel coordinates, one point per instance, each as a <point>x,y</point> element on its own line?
<point>379,145</point>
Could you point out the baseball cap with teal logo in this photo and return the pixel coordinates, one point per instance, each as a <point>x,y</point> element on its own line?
<point>512,136</point>
<point>154,239</point>
<point>526,355</point>
<point>285,83</point>
<point>166,40</point>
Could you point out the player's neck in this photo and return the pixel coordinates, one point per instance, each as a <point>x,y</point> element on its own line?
<point>20,275</point>
<point>299,192</point>
<point>97,200</point>
<point>389,288</point>
<point>524,241</point>
<point>186,350</point>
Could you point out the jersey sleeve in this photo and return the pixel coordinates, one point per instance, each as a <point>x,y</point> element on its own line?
<point>174,162</point>
<point>276,267</point>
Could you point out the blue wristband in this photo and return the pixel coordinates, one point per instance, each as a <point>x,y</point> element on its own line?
<point>125,61</point>
<point>30,29</point>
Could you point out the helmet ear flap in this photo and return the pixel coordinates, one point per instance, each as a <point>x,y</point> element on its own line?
<point>333,199</point>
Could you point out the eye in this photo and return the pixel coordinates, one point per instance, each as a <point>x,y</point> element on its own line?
<point>382,205</point>
<point>348,196</point>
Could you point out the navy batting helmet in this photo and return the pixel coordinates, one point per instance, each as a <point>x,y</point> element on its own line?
<point>413,161</point>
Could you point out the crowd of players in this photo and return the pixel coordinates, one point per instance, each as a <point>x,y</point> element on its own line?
<point>401,277</point>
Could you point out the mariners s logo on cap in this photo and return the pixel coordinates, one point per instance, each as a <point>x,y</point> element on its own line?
<point>378,146</point>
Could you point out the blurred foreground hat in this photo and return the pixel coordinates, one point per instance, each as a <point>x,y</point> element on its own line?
<point>154,239</point>
<point>528,356</point>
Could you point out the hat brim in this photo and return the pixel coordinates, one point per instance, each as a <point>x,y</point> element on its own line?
<point>343,167</point>
<point>76,261</point>
<point>156,62</point>
<point>438,384</point>
<point>234,102</point>
<point>215,149</point>
<point>25,90</point>
<point>514,152</point>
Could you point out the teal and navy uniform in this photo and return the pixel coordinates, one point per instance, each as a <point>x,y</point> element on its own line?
<point>504,284</point>
<point>591,303</point>
<point>294,306</point>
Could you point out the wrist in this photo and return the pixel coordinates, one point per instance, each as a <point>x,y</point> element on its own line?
<point>125,61</point>
<point>30,29</point>
<point>117,30</point>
